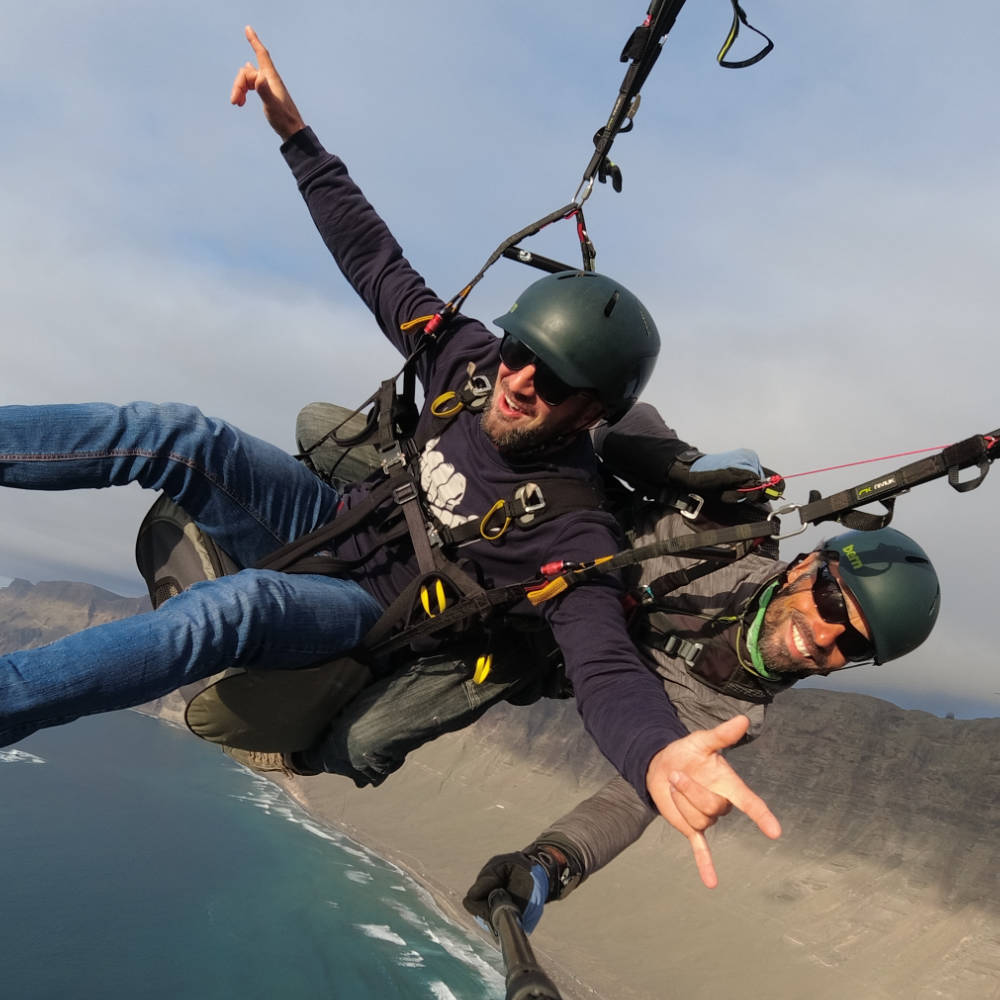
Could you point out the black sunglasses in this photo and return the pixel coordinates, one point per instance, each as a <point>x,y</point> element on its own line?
<point>830,603</point>
<point>549,386</point>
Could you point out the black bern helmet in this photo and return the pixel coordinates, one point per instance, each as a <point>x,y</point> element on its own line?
<point>591,331</point>
<point>894,584</point>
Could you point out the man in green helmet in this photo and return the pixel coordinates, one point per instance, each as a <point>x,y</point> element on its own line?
<point>728,644</point>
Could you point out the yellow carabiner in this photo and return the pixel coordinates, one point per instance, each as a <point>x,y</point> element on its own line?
<point>483,666</point>
<point>492,534</point>
<point>425,599</point>
<point>440,408</point>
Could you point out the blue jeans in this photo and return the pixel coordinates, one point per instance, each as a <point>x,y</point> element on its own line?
<point>249,496</point>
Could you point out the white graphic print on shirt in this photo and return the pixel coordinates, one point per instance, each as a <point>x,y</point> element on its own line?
<point>443,487</point>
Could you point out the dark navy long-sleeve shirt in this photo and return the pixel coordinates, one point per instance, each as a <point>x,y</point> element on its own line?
<point>463,474</point>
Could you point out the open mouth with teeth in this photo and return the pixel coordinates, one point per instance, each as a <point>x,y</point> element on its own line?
<point>509,407</point>
<point>799,642</point>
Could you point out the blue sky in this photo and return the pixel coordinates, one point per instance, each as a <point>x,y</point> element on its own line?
<point>816,235</point>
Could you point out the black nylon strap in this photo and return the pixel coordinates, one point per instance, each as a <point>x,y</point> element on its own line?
<point>973,451</point>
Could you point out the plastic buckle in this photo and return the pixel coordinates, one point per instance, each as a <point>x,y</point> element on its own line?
<point>694,651</point>
<point>404,493</point>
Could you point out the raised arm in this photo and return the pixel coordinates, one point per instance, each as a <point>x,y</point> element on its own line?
<point>361,243</point>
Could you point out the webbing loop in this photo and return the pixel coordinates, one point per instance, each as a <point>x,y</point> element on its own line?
<point>740,17</point>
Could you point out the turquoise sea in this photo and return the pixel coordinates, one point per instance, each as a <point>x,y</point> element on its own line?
<point>136,861</point>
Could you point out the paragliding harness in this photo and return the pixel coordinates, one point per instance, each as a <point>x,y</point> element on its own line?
<point>444,595</point>
<point>394,415</point>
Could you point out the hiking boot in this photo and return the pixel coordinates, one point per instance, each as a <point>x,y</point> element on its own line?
<point>259,761</point>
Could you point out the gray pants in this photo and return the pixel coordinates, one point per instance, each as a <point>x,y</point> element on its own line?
<point>436,694</point>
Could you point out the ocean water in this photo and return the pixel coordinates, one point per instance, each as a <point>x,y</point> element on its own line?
<point>136,861</point>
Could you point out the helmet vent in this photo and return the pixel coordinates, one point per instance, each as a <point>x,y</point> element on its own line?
<point>917,559</point>
<point>612,302</point>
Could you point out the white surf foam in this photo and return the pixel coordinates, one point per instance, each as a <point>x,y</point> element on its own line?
<point>359,878</point>
<point>381,932</point>
<point>12,756</point>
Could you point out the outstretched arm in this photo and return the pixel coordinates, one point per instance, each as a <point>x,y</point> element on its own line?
<point>279,108</point>
<point>601,827</point>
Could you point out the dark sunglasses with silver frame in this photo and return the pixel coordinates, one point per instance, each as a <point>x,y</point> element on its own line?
<point>828,596</point>
<point>549,386</point>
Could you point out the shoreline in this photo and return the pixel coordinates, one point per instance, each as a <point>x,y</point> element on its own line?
<point>443,874</point>
<point>441,895</point>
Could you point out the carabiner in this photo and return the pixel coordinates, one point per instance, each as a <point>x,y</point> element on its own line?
<point>491,534</point>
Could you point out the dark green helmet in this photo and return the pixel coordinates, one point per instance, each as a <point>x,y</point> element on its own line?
<point>894,584</point>
<point>591,331</point>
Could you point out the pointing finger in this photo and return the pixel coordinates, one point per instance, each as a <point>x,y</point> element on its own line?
<point>263,56</point>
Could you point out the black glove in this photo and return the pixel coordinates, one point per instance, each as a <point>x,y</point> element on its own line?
<point>728,475</point>
<point>505,871</point>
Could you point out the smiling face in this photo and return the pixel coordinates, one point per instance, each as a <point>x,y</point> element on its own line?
<point>795,637</point>
<point>518,418</point>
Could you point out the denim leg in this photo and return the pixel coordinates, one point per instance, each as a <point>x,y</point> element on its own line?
<point>248,495</point>
<point>372,736</point>
<point>255,618</point>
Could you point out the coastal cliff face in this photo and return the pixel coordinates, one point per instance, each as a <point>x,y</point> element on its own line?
<point>885,883</point>
<point>33,614</point>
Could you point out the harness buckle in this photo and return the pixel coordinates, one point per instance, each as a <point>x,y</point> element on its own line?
<point>480,387</point>
<point>531,500</point>
<point>788,508</point>
<point>690,506</point>
<point>395,459</point>
<point>684,650</point>
<point>404,493</point>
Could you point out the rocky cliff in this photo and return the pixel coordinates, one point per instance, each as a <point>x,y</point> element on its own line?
<point>33,614</point>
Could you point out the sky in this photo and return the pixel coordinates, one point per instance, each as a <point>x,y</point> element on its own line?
<point>816,237</point>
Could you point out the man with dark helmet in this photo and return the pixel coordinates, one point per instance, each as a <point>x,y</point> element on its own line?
<point>860,597</point>
<point>578,347</point>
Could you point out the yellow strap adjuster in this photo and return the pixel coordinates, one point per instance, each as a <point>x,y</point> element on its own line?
<point>411,323</point>
<point>483,666</point>
<point>439,596</point>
